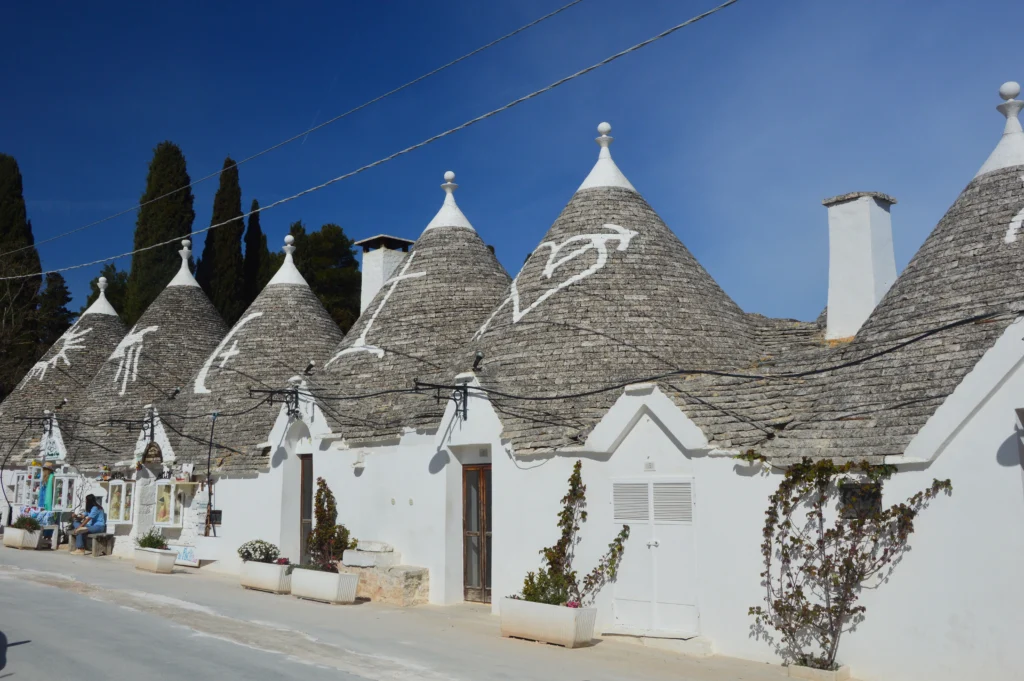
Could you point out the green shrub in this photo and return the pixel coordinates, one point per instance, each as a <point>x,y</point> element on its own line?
<point>328,540</point>
<point>27,523</point>
<point>151,540</point>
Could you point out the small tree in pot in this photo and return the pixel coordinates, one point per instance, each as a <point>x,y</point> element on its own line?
<point>320,580</point>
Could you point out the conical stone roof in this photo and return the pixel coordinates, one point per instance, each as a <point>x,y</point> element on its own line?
<point>610,295</point>
<point>438,296</point>
<point>284,328</point>
<point>63,373</point>
<point>150,363</point>
<point>921,340</point>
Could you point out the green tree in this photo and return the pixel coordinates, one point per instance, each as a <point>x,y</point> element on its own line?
<point>327,260</point>
<point>54,316</point>
<point>117,288</point>
<point>257,257</point>
<point>19,339</point>
<point>168,218</point>
<point>221,271</point>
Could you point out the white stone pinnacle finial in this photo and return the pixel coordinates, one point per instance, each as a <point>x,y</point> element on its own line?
<point>101,305</point>
<point>605,173</point>
<point>186,249</point>
<point>605,139</point>
<point>449,215</point>
<point>1010,150</point>
<point>289,247</point>
<point>184,276</point>
<point>102,285</point>
<point>449,185</point>
<point>288,273</point>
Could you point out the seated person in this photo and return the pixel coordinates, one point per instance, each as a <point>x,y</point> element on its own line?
<point>94,522</point>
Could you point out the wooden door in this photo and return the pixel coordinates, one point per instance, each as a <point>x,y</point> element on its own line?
<point>305,506</point>
<point>476,535</point>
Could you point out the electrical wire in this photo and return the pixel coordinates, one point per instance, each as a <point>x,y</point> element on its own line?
<point>402,152</point>
<point>306,132</point>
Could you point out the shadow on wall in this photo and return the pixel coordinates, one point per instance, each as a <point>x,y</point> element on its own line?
<point>438,462</point>
<point>1010,455</point>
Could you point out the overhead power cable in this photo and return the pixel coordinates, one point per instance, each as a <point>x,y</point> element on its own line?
<point>403,152</point>
<point>304,133</point>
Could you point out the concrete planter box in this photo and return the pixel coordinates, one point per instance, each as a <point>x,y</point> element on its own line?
<point>155,560</point>
<point>267,577</point>
<point>812,674</point>
<point>329,587</point>
<point>569,627</point>
<point>21,539</point>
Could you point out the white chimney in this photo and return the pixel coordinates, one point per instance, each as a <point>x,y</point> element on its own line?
<point>861,263</point>
<point>381,255</point>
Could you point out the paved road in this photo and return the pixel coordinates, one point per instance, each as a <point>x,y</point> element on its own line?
<point>48,633</point>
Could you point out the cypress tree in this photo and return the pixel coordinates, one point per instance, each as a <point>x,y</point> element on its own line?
<point>19,337</point>
<point>168,218</point>
<point>54,315</point>
<point>117,288</point>
<point>327,260</point>
<point>257,257</point>
<point>221,270</point>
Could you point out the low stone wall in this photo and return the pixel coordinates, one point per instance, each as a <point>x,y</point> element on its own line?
<point>403,585</point>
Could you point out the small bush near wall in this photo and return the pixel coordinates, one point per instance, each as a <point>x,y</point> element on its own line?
<point>259,551</point>
<point>815,567</point>
<point>26,523</point>
<point>152,540</point>
<point>557,584</point>
<point>328,541</point>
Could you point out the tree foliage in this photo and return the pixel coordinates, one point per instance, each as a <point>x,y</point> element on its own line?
<point>159,221</point>
<point>117,288</point>
<point>328,541</point>
<point>19,328</point>
<point>258,263</point>
<point>557,584</point>
<point>221,270</point>
<point>822,545</point>
<point>54,316</point>
<point>327,260</point>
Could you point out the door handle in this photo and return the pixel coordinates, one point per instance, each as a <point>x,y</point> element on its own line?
<point>654,542</point>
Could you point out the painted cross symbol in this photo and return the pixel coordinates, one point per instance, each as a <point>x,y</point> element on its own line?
<point>360,344</point>
<point>228,354</point>
<point>199,386</point>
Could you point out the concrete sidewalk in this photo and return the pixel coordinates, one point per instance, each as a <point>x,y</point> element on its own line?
<point>366,640</point>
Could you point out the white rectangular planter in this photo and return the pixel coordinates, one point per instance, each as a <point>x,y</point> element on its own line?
<point>21,539</point>
<point>266,577</point>
<point>798,672</point>
<point>329,587</point>
<point>155,560</point>
<point>569,627</point>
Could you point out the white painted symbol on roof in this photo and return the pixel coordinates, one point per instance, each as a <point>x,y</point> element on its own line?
<point>128,351</point>
<point>71,340</point>
<point>597,242</point>
<point>1015,224</point>
<point>360,344</point>
<point>200,383</point>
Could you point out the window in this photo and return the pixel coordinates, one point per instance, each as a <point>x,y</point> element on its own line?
<point>63,493</point>
<point>168,504</point>
<point>859,500</point>
<point>119,501</point>
<point>21,489</point>
<point>28,486</point>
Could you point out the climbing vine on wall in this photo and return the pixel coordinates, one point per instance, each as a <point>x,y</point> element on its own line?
<point>558,584</point>
<point>826,537</point>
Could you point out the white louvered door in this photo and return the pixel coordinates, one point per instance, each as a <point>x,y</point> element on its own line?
<point>655,593</point>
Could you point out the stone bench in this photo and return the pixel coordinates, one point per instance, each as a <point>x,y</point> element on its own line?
<point>102,544</point>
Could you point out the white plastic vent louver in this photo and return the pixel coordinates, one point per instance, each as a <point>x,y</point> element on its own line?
<point>673,502</point>
<point>630,501</point>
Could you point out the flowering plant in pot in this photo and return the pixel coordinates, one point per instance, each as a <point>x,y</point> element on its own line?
<point>152,554</point>
<point>320,580</point>
<point>24,533</point>
<point>554,605</point>
<point>263,569</point>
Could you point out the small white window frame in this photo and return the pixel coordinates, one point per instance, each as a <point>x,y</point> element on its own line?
<point>177,510</point>
<point>127,492</point>
<point>64,492</point>
<point>33,481</point>
<point>21,488</point>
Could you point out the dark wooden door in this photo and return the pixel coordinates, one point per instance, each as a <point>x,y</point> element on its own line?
<point>305,506</point>
<point>476,532</point>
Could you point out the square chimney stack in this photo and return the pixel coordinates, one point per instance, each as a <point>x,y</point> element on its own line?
<point>381,255</point>
<point>862,264</point>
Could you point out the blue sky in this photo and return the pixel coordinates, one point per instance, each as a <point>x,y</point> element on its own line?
<point>733,129</point>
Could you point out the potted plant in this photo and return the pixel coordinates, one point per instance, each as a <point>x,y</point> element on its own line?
<point>24,533</point>
<point>152,555</point>
<point>553,606</point>
<point>263,569</point>
<point>320,579</point>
